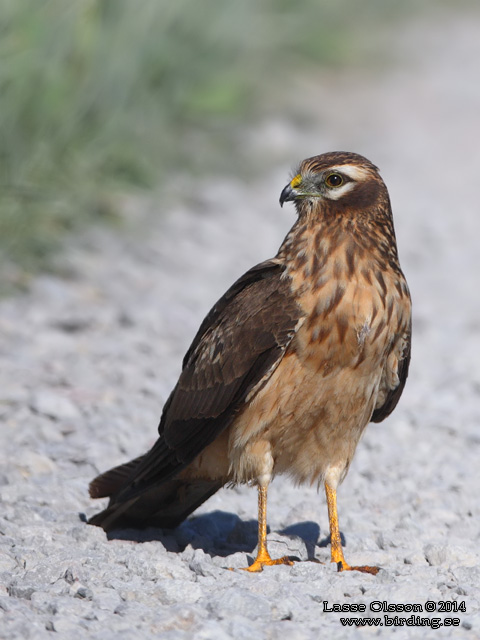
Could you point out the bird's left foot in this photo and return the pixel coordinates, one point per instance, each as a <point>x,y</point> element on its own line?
<point>264,560</point>
<point>343,566</point>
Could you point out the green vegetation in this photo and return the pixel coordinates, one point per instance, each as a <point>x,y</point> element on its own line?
<point>109,94</point>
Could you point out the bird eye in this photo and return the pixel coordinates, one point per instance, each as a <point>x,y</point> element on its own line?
<point>334,180</point>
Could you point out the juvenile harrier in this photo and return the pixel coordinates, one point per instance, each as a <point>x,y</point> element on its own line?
<point>289,366</point>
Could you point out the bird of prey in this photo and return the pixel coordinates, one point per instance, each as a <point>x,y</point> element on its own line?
<point>289,366</point>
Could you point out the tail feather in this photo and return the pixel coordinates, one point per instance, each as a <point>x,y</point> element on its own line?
<point>164,505</point>
<point>109,483</point>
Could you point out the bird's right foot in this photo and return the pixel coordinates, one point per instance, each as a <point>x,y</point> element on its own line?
<point>343,566</point>
<point>263,559</point>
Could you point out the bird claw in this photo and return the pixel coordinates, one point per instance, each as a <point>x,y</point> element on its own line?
<point>366,569</point>
<point>343,566</point>
<point>258,564</point>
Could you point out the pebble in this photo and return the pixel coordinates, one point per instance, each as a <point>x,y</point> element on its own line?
<point>54,405</point>
<point>241,602</point>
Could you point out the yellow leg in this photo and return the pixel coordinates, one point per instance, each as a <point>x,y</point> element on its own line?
<point>335,541</point>
<point>263,557</point>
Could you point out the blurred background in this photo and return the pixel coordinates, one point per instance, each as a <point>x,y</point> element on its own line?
<point>101,100</point>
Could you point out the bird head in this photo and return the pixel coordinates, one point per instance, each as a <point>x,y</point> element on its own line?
<point>342,180</point>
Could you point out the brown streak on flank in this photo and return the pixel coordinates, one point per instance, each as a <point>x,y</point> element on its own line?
<point>398,287</point>
<point>300,230</point>
<point>350,259</point>
<point>322,255</point>
<point>331,246</point>
<point>319,284</point>
<point>367,274</point>
<point>374,313</point>
<point>328,245</point>
<point>300,261</point>
<point>335,300</point>
<point>342,326</point>
<point>390,311</point>
<point>315,264</point>
<point>312,319</point>
<point>323,334</point>
<point>381,282</point>
<point>383,265</point>
<point>361,357</point>
<point>337,269</point>
<point>380,328</point>
<point>325,367</point>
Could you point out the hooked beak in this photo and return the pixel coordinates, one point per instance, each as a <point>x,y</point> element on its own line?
<point>287,195</point>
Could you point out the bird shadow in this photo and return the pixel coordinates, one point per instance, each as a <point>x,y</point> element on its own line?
<point>325,542</point>
<point>217,533</point>
<point>308,531</point>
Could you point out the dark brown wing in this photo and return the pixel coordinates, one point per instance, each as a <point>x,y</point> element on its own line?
<point>238,345</point>
<point>394,395</point>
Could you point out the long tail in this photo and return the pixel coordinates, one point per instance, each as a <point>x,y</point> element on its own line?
<point>163,505</point>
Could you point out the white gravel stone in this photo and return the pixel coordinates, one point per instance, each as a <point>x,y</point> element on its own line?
<point>241,602</point>
<point>54,405</point>
<point>171,591</point>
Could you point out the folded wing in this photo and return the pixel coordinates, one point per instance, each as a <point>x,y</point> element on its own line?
<point>238,346</point>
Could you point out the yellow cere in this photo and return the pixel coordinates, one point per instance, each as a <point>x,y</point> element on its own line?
<point>296,181</point>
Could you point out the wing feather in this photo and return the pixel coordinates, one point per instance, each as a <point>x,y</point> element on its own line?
<point>399,374</point>
<point>238,346</point>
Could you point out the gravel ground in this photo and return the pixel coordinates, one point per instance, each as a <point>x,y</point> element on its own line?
<point>87,362</point>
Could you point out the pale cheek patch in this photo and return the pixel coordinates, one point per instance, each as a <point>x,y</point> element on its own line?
<point>339,192</point>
